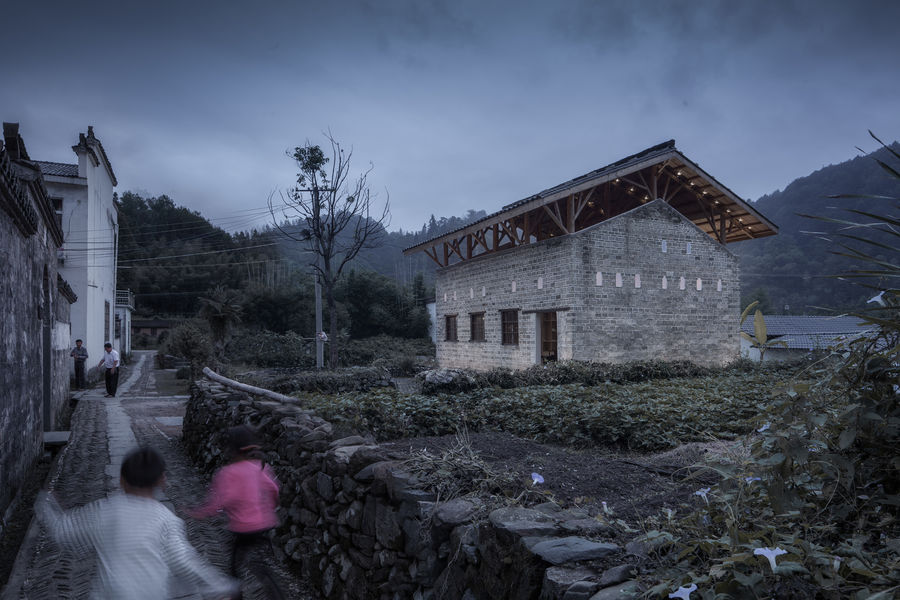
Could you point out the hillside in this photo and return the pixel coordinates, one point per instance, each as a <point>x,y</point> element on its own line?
<point>790,272</point>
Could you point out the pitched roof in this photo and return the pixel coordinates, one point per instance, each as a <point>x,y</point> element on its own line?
<point>685,174</point>
<point>810,332</point>
<point>57,169</point>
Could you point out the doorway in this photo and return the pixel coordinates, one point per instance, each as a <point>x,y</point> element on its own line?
<point>548,338</point>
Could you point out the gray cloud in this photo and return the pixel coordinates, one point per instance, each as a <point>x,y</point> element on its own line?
<point>458,104</point>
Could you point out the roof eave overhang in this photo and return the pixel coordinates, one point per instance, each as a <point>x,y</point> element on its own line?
<point>537,202</point>
<point>658,157</point>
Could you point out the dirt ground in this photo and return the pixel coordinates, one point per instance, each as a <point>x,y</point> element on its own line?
<point>633,486</point>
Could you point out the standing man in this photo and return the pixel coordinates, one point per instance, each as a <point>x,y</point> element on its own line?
<point>110,362</point>
<point>80,354</point>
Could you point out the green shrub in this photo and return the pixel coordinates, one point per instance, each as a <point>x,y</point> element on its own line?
<point>645,416</point>
<point>289,381</point>
<point>190,341</point>
<point>592,373</point>
<point>822,485</point>
<point>268,349</point>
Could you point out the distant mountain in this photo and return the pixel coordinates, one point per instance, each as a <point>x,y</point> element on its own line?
<point>789,272</point>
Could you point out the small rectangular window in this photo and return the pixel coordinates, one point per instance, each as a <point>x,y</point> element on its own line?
<point>509,323</point>
<point>450,328</point>
<point>476,327</point>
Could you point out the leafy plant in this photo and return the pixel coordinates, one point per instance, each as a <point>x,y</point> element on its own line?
<point>815,511</point>
<point>646,416</point>
<point>759,339</point>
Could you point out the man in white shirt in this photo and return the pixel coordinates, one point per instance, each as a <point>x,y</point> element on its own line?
<point>142,548</point>
<point>110,364</point>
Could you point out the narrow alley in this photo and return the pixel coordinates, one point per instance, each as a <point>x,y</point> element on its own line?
<point>103,431</point>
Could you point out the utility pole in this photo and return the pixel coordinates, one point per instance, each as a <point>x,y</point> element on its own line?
<point>320,342</point>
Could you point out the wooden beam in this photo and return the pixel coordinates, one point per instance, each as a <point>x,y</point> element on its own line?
<point>509,232</point>
<point>570,213</point>
<point>585,198</point>
<point>481,239</point>
<point>432,254</point>
<point>556,217</point>
<point>454,246</point>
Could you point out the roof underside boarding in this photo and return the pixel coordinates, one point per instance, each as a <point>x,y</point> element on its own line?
<point>659,172</point>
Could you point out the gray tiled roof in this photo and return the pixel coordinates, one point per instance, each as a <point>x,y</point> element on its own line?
<point>58,169</point>
<point>809,332</point>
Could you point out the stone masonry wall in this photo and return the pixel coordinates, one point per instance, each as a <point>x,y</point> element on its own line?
<point>506,281</point>
<point>617,294</point>
<point>683,303</point>
<point>22,263</point>
<point>360,527</point>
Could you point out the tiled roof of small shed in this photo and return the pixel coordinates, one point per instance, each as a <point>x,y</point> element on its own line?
<point>58,169</point>
<point>809,332</point>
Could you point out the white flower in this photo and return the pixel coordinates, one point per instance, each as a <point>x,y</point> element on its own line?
<point>763,428</point>
<point>683,592</point>
<point>606,509</point>
<point>536,479</point>
<point>877,299</point>
<point>770,553</point>
<point>702,492</point>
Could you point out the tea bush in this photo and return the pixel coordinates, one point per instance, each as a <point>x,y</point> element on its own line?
<point>649,415</point>
<point>591,373</point>
<point>286,381</point>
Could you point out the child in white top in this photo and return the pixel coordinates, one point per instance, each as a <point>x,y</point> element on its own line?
<point>141,546</point>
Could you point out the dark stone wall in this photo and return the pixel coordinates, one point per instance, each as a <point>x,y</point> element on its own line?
<point>361,527</point>
<point>29,301</point>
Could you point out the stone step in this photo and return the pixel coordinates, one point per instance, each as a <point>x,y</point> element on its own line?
<point>54,440</point>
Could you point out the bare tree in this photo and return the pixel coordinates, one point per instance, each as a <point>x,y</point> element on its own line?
<point>334,212</point>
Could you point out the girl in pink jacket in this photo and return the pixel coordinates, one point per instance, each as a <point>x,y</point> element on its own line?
<point>246,490</point>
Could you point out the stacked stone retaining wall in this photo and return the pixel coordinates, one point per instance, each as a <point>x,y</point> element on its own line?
<point>360,527</point>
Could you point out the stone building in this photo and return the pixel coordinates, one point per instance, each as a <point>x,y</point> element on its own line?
<point>90,223</point>
<point>628,262</point>
<point>35,303</point>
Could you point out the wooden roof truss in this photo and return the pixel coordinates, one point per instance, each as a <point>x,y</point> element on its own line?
<point>672,178</point>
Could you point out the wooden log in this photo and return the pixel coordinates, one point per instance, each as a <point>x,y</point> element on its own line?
<point>250,389</point>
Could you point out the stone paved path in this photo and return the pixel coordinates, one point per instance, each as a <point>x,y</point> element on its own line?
<point>103,431</point>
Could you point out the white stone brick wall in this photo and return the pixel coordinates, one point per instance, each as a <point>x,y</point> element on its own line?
<point>631,315</point>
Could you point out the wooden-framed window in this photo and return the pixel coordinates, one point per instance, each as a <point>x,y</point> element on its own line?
<point>509,326</point>
<point>476,327</point>
<point>450,328</point>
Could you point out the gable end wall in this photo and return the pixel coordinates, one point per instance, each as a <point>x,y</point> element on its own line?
<point>602,323</point>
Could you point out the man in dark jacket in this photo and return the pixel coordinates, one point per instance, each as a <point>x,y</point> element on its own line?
<point>80,354</point>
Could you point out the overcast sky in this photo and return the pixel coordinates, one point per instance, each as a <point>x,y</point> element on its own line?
<point>458,104</point>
